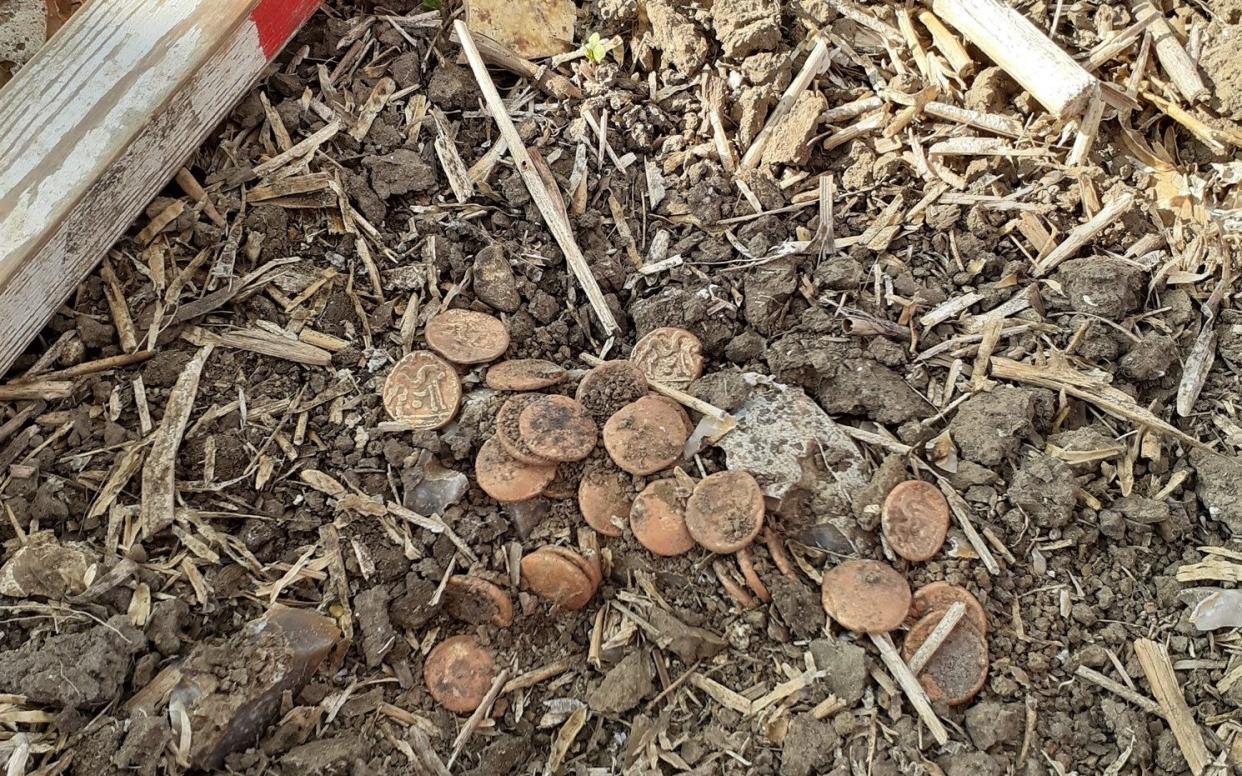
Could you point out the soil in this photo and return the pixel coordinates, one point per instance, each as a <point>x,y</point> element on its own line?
<point>293,485</point>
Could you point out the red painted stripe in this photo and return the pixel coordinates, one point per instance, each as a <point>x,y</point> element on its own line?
<point>277,20</point>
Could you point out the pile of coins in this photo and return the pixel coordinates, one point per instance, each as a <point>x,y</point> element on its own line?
<point>867,596</point>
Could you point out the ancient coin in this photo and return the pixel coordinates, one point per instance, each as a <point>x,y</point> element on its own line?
<point>939,596</point>
<point>604,498</point>
<point>467,337</point>
<point>866,596</point>
<point>476,601</point>
<point>423,391</point>
<point>458,673</point>
<point>558,579</point>
<point>523,374</point>
<point>658,520</point>
<point>558,428</point>
<point>508,430</point>
<point>725,511</point>
<point>507,479</point>
<point>591,567</point>
<point>645,436</point>
<point>609,387</point>
<point>956,671</point>
<point>671,356</point>
<point>915,519</point>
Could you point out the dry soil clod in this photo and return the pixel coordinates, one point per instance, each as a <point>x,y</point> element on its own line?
<point>467,337</point>
<point>423,391</point>
<point>458,673</point>
<point>866,596</point>
<point>915,519</point>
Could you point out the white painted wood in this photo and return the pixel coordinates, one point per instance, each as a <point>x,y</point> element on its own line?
<point>1029,56</point>
<point>94,126</point>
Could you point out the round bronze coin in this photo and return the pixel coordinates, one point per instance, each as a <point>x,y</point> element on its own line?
<point>476,601</point>
<point>609,387</point>
<point>939,596</point>
<point>866,596</point>
<point>507,479</point>
<point>591,568</point>
<point>422,390</point>
<point>658,520</point>
<point>558,579</point>
<point>523,374</point>
<point>645,436</point>
<point>508,429</point>
<point>558,428</point>
<point>680,410</point>
<point>670,356</point>
<point>467,337</point>
<point>915,519</point>
<point>604,498</point>
<point>725,511</point>
<point>458,673</point>
<point>958,668</point>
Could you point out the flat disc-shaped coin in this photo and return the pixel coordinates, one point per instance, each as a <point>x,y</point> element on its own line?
<point>609,387</point>
<point>467,337</point>
<point>604,498</point>
<point>507,479</point>
<point>592,569</point>
<point>477,601</point>
<point>956,671</point>
<point>658,520</point>
<point>523,374</point>
<point>670,356</point>
<point>645,436</point>
<point>866,596</point>
<point>939,596</point>
<point>915,519</point>
<point>422,390</point>
<point>725,511</point>
<point>680,410</point>
<point>458,673</point>
<point>558,579</point>
<point>558,428</point>
<point>508,429</point>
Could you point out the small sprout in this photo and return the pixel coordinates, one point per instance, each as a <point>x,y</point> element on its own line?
<point>594,49</point>
<point>433,5</point>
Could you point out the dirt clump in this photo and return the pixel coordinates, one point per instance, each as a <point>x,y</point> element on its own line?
<point>1043,488</point>
<point>809,746</point>
<point>82,670</point>
<point>746,26</point>
<point>789,142</point>
<point>681,40</point>
<point>624,686</point>
<point>990,427</point>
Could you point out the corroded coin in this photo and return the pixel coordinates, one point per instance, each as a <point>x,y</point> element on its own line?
<point>422,390</point>
<point>939,596</point>
<point>467,337</point>
<point>604,498</point>
<point>476,601</point>
<point>591,568</point>
<point>524,374</point>
<point>645,436</point>
<point>559,579</point>
<point>609,387</point>
<point>558,428</point>
<point>680,410</point>
<point>915,519</point>
<point>725,511</point>
<point>956,671</point>
<point>670,356</point>
<point>508,430</point>
<point>866,596</point>
<point>658,519</point>
<point>458,673</point>
<point>507,479</point>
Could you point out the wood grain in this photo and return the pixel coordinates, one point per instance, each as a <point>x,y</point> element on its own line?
<point>95,125</point>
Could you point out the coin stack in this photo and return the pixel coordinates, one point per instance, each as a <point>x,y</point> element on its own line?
<point>867,596</point>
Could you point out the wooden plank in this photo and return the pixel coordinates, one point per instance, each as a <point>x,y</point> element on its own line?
<point>100,119</point>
